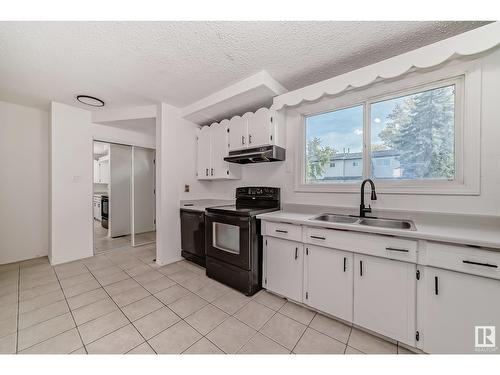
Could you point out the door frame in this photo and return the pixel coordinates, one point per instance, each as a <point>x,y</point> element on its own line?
<point>132,234</point>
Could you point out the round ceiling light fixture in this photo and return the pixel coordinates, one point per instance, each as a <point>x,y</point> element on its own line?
<point>90,100</point>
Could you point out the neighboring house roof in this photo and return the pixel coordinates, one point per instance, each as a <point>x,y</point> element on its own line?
<point>359,155</point>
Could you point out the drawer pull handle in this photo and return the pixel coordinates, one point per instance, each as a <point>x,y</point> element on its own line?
<point>360,268</point>
<point>436,286</point>
<point>318,238</point>
<point>296,252</point>
<point>345,264</point>
<point>396,249</point>
<point>281,231</point>
<point>480,264</point>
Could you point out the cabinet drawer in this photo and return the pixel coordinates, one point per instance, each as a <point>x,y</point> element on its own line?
<point>371,244</point>
<point>463,259</point>
<point>283,230</point>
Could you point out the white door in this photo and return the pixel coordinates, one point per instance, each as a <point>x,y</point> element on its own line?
<point>220,140</point>
<point>284,267</point>
<point>328,281</point>
<point>144,191</point>
<point>120,190</point>
<point>385,297</point>
<point>454,305</point>
<point>238,133</point>
<point>260,128</point>
<point>203,157</point>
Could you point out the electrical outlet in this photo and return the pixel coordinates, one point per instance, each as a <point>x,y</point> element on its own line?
<point>186,188</point>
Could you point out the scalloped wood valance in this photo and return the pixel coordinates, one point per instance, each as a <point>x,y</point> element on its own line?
<point>466,44</point>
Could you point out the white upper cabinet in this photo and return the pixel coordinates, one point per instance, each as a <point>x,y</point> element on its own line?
<point>262,128</point>
<point>385,297</point>
<point>328,282</point>
<point>204,155</point>
<point>238,132</point>
<point>101,171</point>
<point>213,146</point>
<point>454,305</point>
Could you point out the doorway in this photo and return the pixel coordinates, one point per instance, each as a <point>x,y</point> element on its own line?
<point>124,198</point>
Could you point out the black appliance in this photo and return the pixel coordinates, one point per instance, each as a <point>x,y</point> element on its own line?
<point>233,241</point>
<point>193,236</point>
<point>256,155</point>
<point>104,211</point>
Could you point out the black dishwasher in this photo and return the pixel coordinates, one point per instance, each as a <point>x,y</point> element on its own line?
<point>193,236</point>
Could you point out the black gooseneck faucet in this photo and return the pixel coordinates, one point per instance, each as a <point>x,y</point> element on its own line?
<point>362,209</point>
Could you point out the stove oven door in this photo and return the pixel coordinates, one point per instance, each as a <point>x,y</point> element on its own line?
<point>228,238</point>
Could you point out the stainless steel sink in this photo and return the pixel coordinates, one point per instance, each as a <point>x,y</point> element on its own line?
<point>335,218</point>
<point>388,223</point>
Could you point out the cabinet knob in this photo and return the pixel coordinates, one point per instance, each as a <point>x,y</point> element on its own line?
<point>242,139</point>
<point>250,139</point>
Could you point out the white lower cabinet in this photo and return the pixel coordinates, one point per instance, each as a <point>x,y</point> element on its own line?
<point>284,263</point>
<point>328,282</point>
<point>385,297</point>
<point>453,305</point>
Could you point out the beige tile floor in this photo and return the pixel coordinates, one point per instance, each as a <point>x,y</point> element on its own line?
<point>103,243</point>
<point>122,302</point>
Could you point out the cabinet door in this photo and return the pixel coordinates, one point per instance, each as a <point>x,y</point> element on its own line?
<point>284,267</point>
<point>238,133</point>
<point>328,281</point>
<point>260,128</point>
<point>104,172</point>
<point>203,157</point>
<point>220,140</point>
<point>454,305</point>
<point>385,297</point>
<point>96,172</point>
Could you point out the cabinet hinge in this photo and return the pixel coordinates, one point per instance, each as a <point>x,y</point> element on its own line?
<point>307,295</point>
<point>265,280</point>
<point>271,119</point>
<point>271,137</point>
<point>154,191</point>
<point>418,274</point>
<point>154,221</point>
<point>307,251</point>
<point>266,242</point>
<point>417,336</point>
<point>227,172</point>
<point>228,130</point>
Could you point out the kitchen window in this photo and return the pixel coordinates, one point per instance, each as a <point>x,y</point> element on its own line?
<point>408,140</point>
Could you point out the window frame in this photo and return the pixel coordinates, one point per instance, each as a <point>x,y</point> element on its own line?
<point>467,80</point>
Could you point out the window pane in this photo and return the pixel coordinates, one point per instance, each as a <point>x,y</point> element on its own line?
<point>412,137</point>
<point>334,145</point>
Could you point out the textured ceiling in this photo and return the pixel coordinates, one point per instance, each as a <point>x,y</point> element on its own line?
<point>137,63</point>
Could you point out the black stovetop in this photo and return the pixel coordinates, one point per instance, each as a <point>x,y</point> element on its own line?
<point>251,201</point>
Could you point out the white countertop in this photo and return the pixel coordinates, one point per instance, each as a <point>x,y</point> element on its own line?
<point>199,205</point>
<point>472,230</point>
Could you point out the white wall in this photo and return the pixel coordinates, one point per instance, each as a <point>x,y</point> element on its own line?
<point>175,166</point>
<point>281,174</point>
<point>24,187</point>
<point>72,165</point>
<point>71,184</point>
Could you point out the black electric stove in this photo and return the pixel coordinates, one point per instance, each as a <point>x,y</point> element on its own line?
<point>233,240</point>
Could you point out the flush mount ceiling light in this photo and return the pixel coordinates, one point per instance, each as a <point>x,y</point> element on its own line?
<point>90,100</point>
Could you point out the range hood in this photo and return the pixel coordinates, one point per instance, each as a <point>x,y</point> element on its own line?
<point>256,155</point>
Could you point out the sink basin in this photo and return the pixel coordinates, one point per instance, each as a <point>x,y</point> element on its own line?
<point>388,223</point>
<point>334,218</point>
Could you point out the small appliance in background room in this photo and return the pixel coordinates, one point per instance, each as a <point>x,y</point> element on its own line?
<point>104,211</point>
<point>233,241</point>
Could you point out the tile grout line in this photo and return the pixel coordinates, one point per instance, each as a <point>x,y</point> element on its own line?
<point>70,311</point>
<point>126,317</point>
<point>18,302</point>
